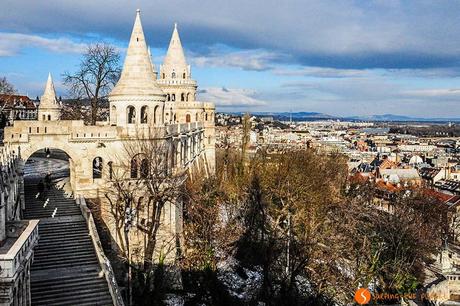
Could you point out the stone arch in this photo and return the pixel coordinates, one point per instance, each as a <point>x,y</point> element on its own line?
<point>155,114</point>
<point>97,167</point>
<point>130,114</point>
<point>113,115</point>
<point>144,114</point>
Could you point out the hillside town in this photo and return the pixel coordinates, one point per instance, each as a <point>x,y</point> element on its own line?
<point>378,153</point>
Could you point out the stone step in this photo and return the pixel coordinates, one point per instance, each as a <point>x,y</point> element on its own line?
<point>65,270</point>
<point>55,288</point>
<point>63,244</point>
<point>65,279</point>
<point>46,266</point>
<point>97,297</point>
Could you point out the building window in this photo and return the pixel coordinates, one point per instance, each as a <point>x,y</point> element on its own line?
<point>144,111</point>
<point>49,117</point>
<point>110,164</point>
<point>144,168</point>
<point>188,97</point>
<point>113,115</point>
<point>97,167</point>
<point>206,117</point>
<point>134,167</point>
<point>183,75</point>
<point>173,75</point>
<point>131,114</point>
<point>182,97</point>
<point>155,114</point>
<point>187,118</point>
<point>196,117</point>
<point>173,97</point>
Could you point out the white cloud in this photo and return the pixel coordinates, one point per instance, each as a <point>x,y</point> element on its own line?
<point>13,43</point>
<point>227,97</point>
<point>257,60</point>
<point>321,72</point>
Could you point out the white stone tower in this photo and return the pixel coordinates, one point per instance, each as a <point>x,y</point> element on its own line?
<point>137,99</point>
<point>175,75</point>
<point>49,108</point>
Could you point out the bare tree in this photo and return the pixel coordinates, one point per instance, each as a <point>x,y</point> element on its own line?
<point>146,179</point>
<point>6,87</point>
<point>98,72</point>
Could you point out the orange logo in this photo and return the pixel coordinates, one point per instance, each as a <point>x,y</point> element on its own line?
<point>362,296</point>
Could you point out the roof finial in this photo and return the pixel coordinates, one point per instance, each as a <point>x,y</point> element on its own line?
<point>138,11</point>
<point>175,25</point>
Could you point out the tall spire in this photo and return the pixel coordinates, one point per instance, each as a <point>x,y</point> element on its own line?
<point>48,99</point>
<point>175,58</point>
<point>137,77</point>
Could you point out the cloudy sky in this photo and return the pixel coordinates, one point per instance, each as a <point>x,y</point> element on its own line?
<point>357,57</point>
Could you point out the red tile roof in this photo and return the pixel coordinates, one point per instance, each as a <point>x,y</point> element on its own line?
<point>12,100</point>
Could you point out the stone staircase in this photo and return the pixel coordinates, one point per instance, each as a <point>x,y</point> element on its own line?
<point>65,270</point>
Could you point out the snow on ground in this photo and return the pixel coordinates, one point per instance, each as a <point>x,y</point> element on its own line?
<point>240,282</point>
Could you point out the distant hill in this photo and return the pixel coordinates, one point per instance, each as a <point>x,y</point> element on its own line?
<point>391,117</point>
<point>311,116</point>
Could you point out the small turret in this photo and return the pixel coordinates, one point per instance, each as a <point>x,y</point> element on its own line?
<point>175,74</point>
<point>49,108</point>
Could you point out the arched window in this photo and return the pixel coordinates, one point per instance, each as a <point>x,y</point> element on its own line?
<point>187,118</point>
<point>168,97</point>
<point>174,118</point>
<point>183,75</point>
<point>110,164</point>
<point>144,168</point>
<point>113,115</point>
<point>173,97</point>
<point>134,167</point>
<point>188,97</point>
<point>182,97</point>
<point>155,114</point>
<point>164,76</point>
<point>196,117</point>
<point>131,114</point>
<point>97,167</point>
<point>173,75</point>
<point>144,111</point>
<point>206,117</point>
<point>49,117</point>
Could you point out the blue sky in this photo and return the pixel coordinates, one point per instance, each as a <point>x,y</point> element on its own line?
<point>357,57</point>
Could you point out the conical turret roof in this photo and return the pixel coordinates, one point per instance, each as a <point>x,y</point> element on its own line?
<point>175,58</point>
<point>48,99</point>
<point>137,77</point>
